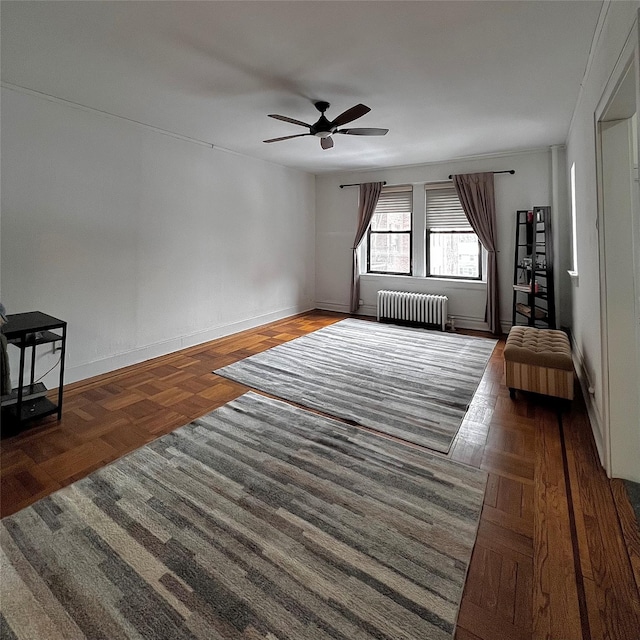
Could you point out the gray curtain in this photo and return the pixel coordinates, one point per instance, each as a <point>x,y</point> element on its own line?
<point>476,194</point>
<point>369,194</point>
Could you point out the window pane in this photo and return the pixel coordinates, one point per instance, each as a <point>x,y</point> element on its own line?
<point>390,252</point>
<point>454,254</point>
<point>391,221</point>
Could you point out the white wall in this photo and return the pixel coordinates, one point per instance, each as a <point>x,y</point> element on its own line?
<point>616,29</point>
<point>561,223</point>
<point>336,220</point>
<point>143,242</point>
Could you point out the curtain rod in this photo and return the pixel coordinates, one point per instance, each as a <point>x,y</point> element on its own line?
<point>511,171</point>
<point>356,184</point>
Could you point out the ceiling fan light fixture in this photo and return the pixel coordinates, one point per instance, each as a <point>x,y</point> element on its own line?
<point>324,128</point>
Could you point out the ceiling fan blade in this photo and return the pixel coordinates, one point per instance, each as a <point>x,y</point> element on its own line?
<point>297,135</point>
<point>351,114</point>
<point>326,143</point>
<point>291,120</point>
<point>364,132</point>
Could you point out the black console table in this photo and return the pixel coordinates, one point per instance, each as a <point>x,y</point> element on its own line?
<point>28,330</point>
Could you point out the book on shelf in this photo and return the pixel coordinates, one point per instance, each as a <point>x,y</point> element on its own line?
<point>525,310</point>
<point>526,287</point>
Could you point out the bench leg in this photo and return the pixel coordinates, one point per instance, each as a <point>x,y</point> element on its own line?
<point>512,393</point>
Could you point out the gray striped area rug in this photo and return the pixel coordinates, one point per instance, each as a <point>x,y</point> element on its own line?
<point>410,383</point>
<point>259,521</point>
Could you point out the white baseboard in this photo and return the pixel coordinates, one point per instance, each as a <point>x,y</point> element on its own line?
<point>368,310</point>
<point>470,322</point>
<point>593,413</point>
<point>135,356</point>
<point>461,322</point>
<point>333,306</point>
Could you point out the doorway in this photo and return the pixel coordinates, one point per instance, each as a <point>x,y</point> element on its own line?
<point>619,247</point>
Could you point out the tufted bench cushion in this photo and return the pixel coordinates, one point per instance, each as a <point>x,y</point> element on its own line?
<point>543,347</point>
<point>539,360</point>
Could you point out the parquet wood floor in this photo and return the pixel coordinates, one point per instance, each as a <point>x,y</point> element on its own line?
<point>557,554</point>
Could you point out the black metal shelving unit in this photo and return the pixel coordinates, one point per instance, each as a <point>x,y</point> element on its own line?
<point>29,402</point>
<point>533,290</point>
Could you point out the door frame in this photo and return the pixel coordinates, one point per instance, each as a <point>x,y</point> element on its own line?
<point>628,65</point>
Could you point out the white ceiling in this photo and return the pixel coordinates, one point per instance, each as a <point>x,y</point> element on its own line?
<point>449,79</point>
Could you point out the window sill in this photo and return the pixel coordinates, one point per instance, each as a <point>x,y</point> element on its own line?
<point>455,282</point>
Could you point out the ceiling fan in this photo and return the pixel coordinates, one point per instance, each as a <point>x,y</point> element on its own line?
<point>324,128</point>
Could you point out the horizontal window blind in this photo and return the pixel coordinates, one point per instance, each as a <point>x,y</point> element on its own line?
<point>393,210</point>
<point>444,210</point>
<point>395,200</point>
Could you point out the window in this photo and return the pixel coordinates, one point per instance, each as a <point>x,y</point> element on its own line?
<point>574,224</point>
<point>453,249</point>
<point>389,235</point>
<point>440,243</point>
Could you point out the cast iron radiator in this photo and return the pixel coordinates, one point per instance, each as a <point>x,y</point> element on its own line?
<point>422,308</point>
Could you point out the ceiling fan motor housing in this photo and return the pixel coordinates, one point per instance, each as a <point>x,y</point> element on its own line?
<point>322,128</point>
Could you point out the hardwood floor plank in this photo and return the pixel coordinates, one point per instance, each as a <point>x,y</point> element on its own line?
<point>463,634</point>
<point>488,626</point>
<point>502,539</point>
<point>506,604</point>
<point>125,438</point>
<point>594,616</point>
<point>556,607</point>
<point>508,465</point>
<point>222,390</point>
<point>78,459</point>
<point>477,568</point>
<point>509,496</point>
<point>523,605</point>
<point>527,504</point>
<point>11,459</point>
<point>579,514</point>
<point>161,422</point>
<point>509,521</point>
<point>491,492</point>
<point>50,444</point>
<point>491,581</point>
<point>88,431</point>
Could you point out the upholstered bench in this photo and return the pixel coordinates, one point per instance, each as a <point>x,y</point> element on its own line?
<point>539,360</point>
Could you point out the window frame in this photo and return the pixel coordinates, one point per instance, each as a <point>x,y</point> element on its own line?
<point>574,223</point>
<point>409,232</point>
<point>429,231</point>
<point>390,273</point>
<point>448,186</point>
